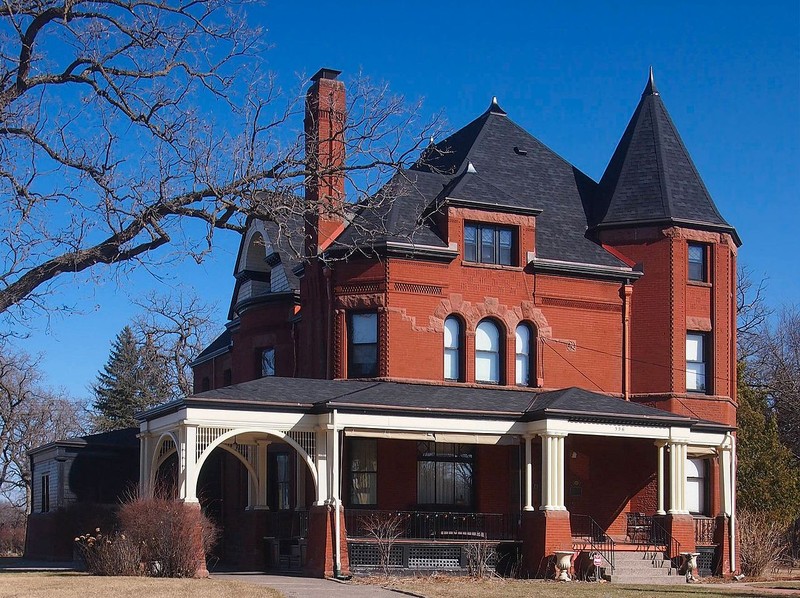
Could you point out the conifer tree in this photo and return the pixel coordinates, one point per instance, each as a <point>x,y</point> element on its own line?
<point>768,473</point>
<point>132,380</point>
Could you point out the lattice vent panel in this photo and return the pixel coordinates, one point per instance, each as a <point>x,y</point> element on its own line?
<point>434,557</point>
<point>205,436</point>
<point>307,440</point>
<point>368,555</point>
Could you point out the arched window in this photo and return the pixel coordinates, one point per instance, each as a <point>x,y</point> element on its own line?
<point>452,349</point>
<point>524,354</point>
<point>696,486</point>
<point>487,352</point>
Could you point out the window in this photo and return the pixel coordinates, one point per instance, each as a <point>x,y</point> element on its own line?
<point>362,349</point>
<point>227,377</point>
<point>696,486</point>
<point>487,244</point>
<point>696,360</point>
<point>524,354</point>
<point>444,473</point>
<point>283,481</point>
<point>205,384</point>
<point>452,349</point>
<point>697,262</point>
<point>45,494</point>
<point>268,362</point>
<point>363,471</point>
<point>487,352</point>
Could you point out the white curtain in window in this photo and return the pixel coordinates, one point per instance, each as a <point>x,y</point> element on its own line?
<point>523,334</point>
<point>695,486</point>
<point>695,362</point>
<point>487,352</point>
<point>452,339</point>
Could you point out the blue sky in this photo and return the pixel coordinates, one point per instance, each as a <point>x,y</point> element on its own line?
<point>572,74</point>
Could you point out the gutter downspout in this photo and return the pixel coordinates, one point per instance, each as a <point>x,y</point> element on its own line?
<point>626,292</point>
<point>732,530</point>
<point>336,485</point>
<point>327,272</point>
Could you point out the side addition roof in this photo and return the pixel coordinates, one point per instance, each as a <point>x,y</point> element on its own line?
<point>651,177</point>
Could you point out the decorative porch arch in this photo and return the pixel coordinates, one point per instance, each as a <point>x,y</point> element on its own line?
<point>166,446</point>
<point>204,452</point>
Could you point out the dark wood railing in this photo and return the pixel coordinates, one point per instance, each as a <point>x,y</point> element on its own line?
<point>704,530</point>
<point>432,525</point>
<point>287,524</point>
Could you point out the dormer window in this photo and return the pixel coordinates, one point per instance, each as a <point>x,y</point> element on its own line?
<point>489,244</point>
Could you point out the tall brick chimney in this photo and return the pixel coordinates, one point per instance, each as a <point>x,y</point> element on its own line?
<point>325,152</point>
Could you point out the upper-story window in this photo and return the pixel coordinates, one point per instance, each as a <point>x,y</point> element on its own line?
<point>489,244</point>
<point>362,346</point>
<point>524,361</point>
<point>487,352</point>
<point>268,362</point>
<point>452,348</point>
<point>696,484</point>
<point>698,268</point>
<point>696,361</point>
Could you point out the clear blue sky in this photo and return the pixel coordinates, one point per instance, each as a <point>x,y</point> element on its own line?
<point>729,73</point>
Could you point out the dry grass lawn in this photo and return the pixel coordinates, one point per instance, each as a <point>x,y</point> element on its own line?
<point>78,585</point>
<point>443,587</point>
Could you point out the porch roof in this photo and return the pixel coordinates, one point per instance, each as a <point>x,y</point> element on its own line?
<point>445,400</point>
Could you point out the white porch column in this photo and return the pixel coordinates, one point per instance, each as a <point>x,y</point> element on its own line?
<point>145,464</point>
<point>528,475</point>
<point>333,464</point>
<point>725,462</point>
<point>300,482</point>
<point>677,478</point>
<point>553,471</point>
<point>187,468</point>
<point>322,467</point>
<point>262,457</point>
<point>660,491</point>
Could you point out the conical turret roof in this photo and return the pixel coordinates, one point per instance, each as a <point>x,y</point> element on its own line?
<point>651,178</point>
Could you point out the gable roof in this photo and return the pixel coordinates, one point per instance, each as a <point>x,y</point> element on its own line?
<point>651,177</point>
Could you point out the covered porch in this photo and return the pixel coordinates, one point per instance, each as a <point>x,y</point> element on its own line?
<point>330,472</point>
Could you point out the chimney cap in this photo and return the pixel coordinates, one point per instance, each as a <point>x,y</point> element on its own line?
<point>324,73</point>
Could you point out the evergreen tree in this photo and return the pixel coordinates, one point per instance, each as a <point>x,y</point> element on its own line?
<point>132,380</point>
<point>768,473</point>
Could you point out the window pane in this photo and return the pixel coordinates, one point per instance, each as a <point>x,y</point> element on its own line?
<point>695,376</point>
<point>452,333</point>
<point>487,366</point>
<point>426,480</point>
<point>451,363</point>
<point>364,360</point>
<point>487,246</point>
<point>506,242</point>
<point>364,328</point>
<point>694,347</point>
<point>364,488</point>
<point>522,369</point>
<point>445,483</point>
<point>523,335</point>
<point>268,362</point>
<point>697,262</point>
<point>487,337</point>
<point>463,483</point>
<point>471,243</point>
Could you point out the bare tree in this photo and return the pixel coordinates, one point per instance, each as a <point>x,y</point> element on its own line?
<point>30,416</point>
<point>178,327</point>
<point>130,125</point>
<point>752,312</point>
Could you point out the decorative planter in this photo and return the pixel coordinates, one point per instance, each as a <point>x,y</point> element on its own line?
<point>563,562</point>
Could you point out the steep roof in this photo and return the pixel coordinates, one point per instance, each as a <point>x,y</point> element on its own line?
<point>515,168</point>
<point>651,177</point>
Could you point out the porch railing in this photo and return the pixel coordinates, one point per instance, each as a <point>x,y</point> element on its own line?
<point>704,530</point>
<point>587,529</point>
<point>660,537</point>
<point>432,525</point>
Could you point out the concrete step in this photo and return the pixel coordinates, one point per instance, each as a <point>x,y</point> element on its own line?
<point>642,580</point>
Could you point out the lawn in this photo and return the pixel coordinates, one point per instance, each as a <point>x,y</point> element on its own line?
<point>78,585</point>
<point>442,587</point>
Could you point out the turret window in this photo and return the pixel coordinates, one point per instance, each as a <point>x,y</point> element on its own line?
<point>362,348</point>
<point>698,270</point>
<point>697,362</point>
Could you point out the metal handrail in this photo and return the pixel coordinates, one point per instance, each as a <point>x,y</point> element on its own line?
<point>661,537</point>
<point>597,537</point>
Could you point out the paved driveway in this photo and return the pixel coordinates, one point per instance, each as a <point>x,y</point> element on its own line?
<point>309,587</point>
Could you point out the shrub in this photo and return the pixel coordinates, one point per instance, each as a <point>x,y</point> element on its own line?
<point>110,554</point>
<point>762,541</point>
<point>170,534</point>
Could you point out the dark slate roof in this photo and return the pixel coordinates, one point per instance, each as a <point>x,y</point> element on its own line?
<point>125,439</point>
<point>651,177</point>
<point>522,168</point>
<point>223,341</point>
<point>395,213</point>
<point>305,394</point>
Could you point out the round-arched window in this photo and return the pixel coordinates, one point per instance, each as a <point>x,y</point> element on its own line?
<point>487,352</point>
<point>452,349</point>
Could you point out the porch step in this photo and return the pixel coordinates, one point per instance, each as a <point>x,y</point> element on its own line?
<point>643,567</point>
